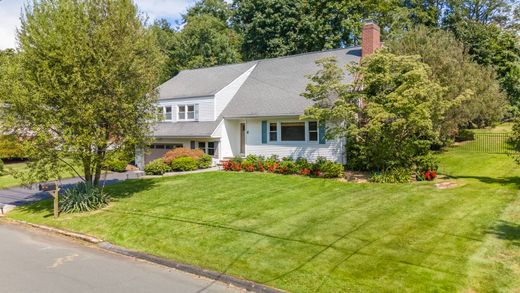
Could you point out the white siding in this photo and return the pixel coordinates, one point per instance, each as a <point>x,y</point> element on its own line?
<point>224,96</point>
<point>332,150</point>
<point>206,106</point>
<point>229,133</point>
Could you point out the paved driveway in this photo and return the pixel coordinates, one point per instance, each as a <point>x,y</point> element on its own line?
<point>21,195</point>
<point>33,261</point>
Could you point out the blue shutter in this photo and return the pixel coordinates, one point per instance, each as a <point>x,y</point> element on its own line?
<point>322,132</point>
<point>192,144</point>
<point>264,131</point>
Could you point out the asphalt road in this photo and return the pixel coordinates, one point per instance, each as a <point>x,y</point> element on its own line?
<point>34,261</point>
<point>22,195</point>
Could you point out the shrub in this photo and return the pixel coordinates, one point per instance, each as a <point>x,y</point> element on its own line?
<point>1,167</point>
<point>287,159</point>
<point>205,162</point>
<point>156,167</point>
<point>116,165</point>
<point>465,135</point>
<point>83,198</point>
<point>287,167</point>
<point>396,175</point>
<point>182,153</point>
<point>184,164</point>
<point>248,166</point>
<point>330,169</point>
<point>11,148</point>
<point>237,159</point>
<point>426,169</point>
<point>254,159</point>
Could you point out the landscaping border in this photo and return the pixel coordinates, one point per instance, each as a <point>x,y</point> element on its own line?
<point>191,269</point>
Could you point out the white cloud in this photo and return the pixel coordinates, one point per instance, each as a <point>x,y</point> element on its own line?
<point>10,15</point>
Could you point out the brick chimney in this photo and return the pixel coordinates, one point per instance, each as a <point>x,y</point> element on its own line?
<point>370,38</point>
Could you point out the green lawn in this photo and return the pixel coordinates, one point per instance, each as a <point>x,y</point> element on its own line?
<point>306,235</point>
<point>8,180</point>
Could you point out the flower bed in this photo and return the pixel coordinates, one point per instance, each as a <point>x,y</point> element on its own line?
<point>286,166</point>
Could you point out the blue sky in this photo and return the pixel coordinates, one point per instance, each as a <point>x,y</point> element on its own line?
<point>10,13</point>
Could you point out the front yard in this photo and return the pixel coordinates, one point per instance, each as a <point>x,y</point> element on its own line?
<point>305,235</point>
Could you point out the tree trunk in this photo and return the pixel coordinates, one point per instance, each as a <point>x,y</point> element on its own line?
<point>87,170</point>
<point>56,206</point>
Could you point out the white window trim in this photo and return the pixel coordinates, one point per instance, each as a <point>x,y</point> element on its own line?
<point>279,133</point>
<point>186,112</point>
<point>164,112</point>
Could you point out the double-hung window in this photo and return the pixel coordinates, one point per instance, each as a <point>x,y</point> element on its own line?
<point>313,131</point>
<point>273,131</point>
<point>187,112</point>
<point>208,147</point>
<point>165,113</point>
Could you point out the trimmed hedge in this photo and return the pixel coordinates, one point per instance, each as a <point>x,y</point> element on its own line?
<point>184,164</point>
<point>156,167</point>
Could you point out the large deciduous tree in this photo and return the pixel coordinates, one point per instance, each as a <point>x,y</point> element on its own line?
<point>204,40</point>
<point>83,86</point>
<point>388,117</point>
<point>471,89</point>
<point>492,46</point>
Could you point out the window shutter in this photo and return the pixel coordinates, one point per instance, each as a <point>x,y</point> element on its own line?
<point>264,131</point>
<point>192,144</point>
<point>322,132</point>
<point>196,108</point>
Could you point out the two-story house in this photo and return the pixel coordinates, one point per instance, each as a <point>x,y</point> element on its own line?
<point>250,108</point>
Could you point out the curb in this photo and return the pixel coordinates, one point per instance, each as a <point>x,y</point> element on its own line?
<point>107,246</point>
<point>74,235</point>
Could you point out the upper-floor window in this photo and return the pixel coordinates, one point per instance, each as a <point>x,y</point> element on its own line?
<point>165,113</point>
<point>187,112</point>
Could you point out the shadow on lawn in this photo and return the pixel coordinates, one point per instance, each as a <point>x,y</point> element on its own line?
<point>506,181</point>
<point>117,191</point>
<point>506,231</point>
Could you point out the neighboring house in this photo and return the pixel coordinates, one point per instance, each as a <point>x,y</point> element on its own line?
<point>249,108</point>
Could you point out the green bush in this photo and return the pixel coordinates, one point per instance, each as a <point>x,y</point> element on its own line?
<point>184,164</point>
<point>1,167</point>
<point>465,135</point>
<point>156,167</point>
<point>302,163</point>
<point>83,198</point>
<point>330,169</point>
<point>237,159</point>
<point>287,167</point>
<point>396,175</point>
<point>116,165</point>
<point>205,162</point>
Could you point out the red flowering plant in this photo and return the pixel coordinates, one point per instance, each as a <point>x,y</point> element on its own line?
<point>426,169</point>
<point>227,165</point>
<point>248,166</point>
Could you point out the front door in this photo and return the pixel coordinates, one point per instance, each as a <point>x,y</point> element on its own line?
<point>242,139</point>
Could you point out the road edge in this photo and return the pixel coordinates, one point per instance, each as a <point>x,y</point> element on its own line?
<point>191,269</point>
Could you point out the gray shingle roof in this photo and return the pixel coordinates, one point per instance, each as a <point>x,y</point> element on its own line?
<point>273,89</point>
<point>186,129</point>
<point>201,82</point>
<point>275,85</point>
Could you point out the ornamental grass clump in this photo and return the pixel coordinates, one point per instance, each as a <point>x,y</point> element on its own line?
<point>83,197</point>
